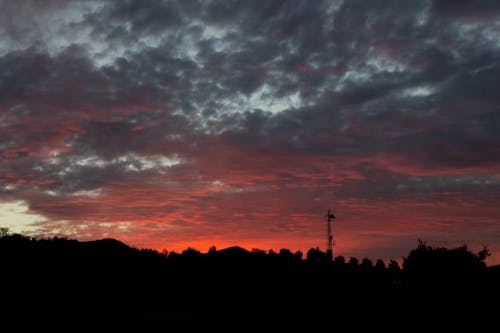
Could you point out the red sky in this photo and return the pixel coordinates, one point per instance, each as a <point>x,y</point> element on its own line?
<point>183,124</point>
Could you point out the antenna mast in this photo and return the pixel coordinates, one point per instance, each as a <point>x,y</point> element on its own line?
<point>329,218</point>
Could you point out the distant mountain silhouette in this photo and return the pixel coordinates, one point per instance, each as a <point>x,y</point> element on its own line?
<point>234,251</point>
<point>58,279</point>
<point>108,244</point>
<point>232,254</point>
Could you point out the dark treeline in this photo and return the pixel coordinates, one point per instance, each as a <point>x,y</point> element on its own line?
<point>58,278</point>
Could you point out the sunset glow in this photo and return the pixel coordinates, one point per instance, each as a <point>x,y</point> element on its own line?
<point>176,124</point>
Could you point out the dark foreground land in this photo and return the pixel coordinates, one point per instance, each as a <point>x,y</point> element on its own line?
<point>105,285</point>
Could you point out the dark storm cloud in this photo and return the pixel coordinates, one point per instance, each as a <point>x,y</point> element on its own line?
<point>147,17</point>
<point>466,8</point>
<point>287,46</point>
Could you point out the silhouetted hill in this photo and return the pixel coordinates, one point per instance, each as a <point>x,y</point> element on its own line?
<point>106,279</point>
<point>108,244</point>
<point>233,251</point>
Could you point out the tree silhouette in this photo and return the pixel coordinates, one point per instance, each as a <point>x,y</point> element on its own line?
<point>84,280</point>
<point>448,282</point>
<point>339,260</point>
<point>315,255</point>
<point>353,262</point>
<point>4,231</point>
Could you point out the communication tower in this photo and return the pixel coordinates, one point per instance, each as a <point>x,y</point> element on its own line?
<point>329,219</point>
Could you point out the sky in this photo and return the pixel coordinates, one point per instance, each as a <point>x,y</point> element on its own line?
<point>189,124</point>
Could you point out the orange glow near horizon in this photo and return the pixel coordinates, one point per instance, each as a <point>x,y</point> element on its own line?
<point>283,208</point>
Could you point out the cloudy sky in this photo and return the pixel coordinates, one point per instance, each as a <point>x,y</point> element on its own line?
<point>175,124</point>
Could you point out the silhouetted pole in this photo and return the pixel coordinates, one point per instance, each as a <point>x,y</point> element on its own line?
<point>329,218</point>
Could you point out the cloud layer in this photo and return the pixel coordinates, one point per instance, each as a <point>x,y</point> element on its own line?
<point>170,124</point>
